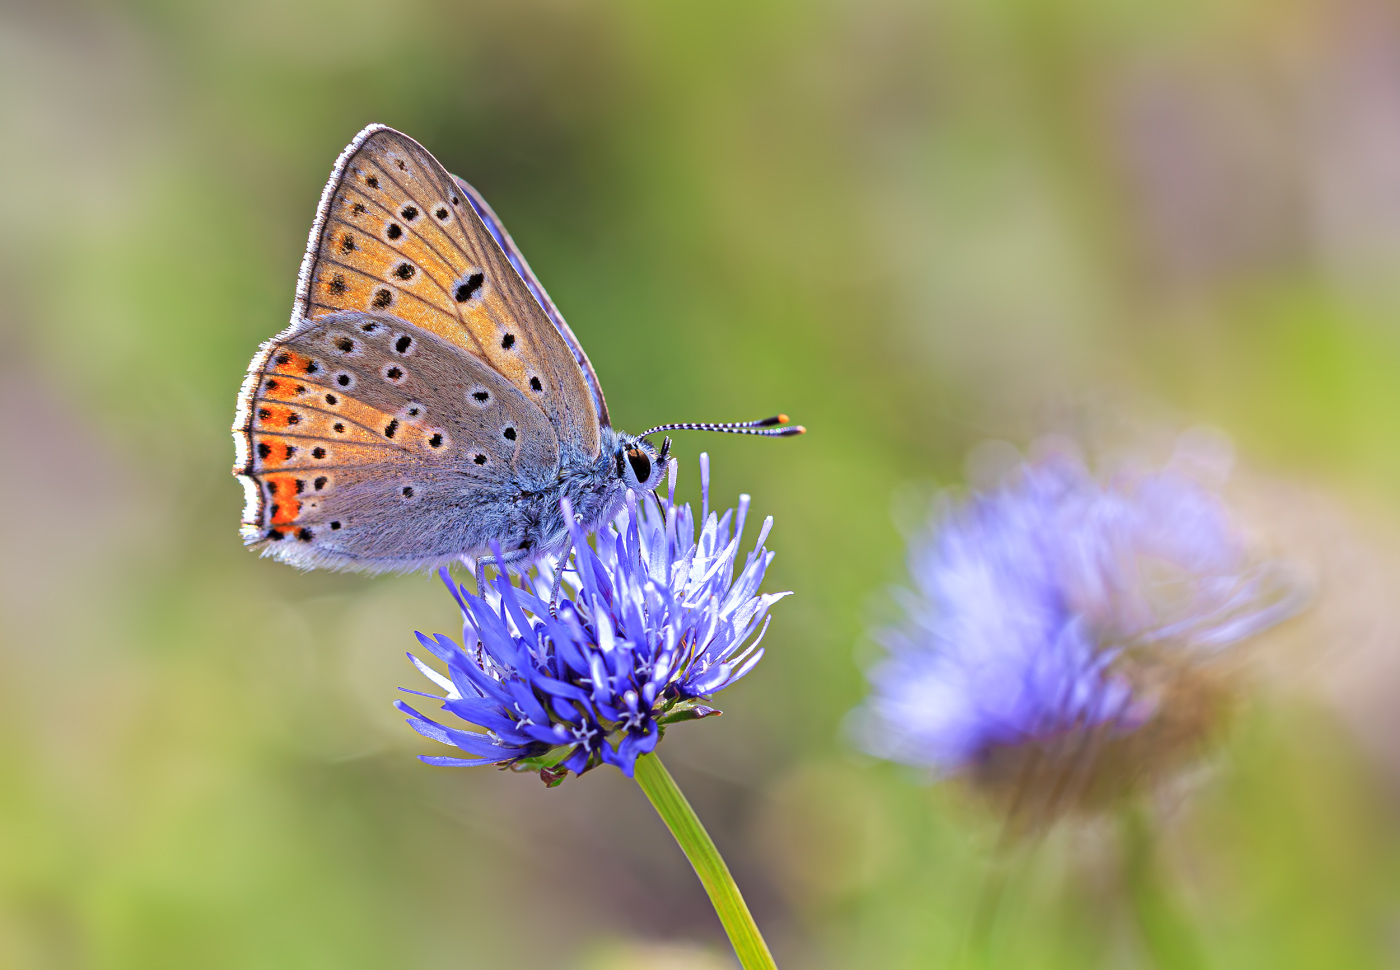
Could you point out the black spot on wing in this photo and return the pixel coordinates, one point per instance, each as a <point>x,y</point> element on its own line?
<point>469,287</point>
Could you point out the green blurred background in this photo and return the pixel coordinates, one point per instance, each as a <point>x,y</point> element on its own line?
<point>912,227</point>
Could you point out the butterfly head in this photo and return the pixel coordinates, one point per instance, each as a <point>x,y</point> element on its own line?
<point>639,465</point>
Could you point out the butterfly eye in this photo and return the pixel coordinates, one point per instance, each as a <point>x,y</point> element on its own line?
<point>641,464</point>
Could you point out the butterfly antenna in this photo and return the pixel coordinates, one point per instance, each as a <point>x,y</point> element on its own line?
<point>768,427</point>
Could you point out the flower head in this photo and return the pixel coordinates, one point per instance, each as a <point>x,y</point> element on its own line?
<point>1063,632</point>
<point>655,619</point>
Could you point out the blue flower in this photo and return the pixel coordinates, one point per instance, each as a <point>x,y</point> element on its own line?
<point>654,621</point>
<point>1060,615</point>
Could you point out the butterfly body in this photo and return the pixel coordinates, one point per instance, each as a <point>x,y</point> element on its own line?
<point>427,402</point>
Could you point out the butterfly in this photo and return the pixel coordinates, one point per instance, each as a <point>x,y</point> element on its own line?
<point>428,402</point>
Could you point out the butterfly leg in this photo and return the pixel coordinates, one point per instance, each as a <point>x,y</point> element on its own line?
<point>560,564</point>
<point>481,576</point>
<point>509,559</point>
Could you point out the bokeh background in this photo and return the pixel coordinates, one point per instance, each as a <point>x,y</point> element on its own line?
<point>913,227</point>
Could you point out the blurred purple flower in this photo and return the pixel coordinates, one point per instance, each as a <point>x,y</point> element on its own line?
<point>1044,608</point>
<point>657,622</point>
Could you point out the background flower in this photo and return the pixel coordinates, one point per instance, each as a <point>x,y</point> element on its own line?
<point>1057,617</point>
<point>657,620</point>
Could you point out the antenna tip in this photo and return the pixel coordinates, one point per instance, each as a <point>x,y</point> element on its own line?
<point>783,419</point>
<point>794,430</point>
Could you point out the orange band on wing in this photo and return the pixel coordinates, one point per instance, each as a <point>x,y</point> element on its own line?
<point>276,416</point>
<point>292,364</point>
<point>283,388</point>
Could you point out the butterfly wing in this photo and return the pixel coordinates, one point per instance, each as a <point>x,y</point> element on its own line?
<point>395,233</point>
<point>425,384</point>
<point>517,259</point>
<point>371,443</point>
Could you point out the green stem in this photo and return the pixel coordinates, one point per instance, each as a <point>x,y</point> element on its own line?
<point>987,916</point>
<point>1167,934</point>
<point>709,865</point>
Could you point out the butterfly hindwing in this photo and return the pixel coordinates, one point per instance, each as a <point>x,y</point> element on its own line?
<point>370,442</point>
<point>396,234</point>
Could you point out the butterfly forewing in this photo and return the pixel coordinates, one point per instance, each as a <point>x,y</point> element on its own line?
<point>498,232</point>
<point>397,235</point>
